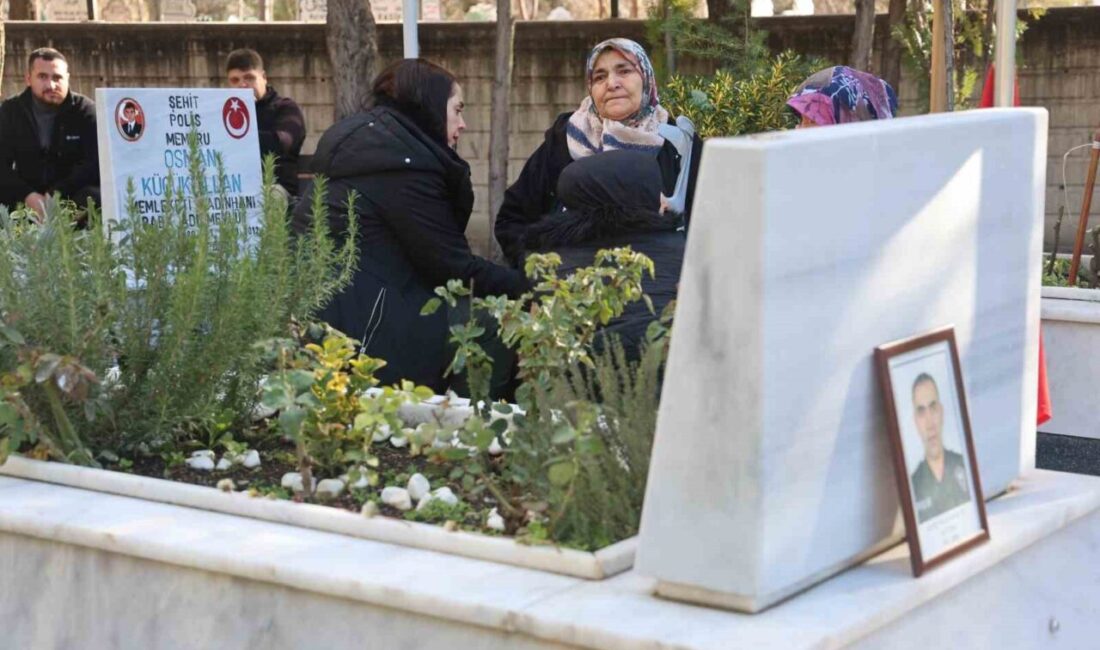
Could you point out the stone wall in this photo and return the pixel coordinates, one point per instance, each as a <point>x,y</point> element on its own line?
<point>1059,59</point>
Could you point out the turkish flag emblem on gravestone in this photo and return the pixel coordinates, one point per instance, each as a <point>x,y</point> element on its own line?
<point>235,117</point>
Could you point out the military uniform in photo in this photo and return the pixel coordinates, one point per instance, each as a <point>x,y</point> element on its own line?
<point>933,498</point>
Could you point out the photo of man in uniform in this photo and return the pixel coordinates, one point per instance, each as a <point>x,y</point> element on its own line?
<point>131,125</point>
<point>940,480</point>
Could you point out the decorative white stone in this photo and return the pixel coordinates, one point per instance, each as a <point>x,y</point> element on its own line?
<point>424,501</point>
<point>771,460</point>
<point>495,521</point>
<point>382,433</point>
<point>445,495</point>
<point>226,485</point>
<point>223,464</point>
<point>261,412</point>
<point>208,453</point>
<point>399,441</point>
<point>251,459</point>
<point>369,509</point>
<point>418,486</point>
<point>293,482</point>
<point>397,497</point>
<point>201,463</point>
<point>362,482</point>
<point>329,488</point>
<point>494,447</point>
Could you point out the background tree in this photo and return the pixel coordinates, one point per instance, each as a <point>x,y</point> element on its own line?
<point>864,35</point>
<point>352,41</point>
<point>891,55</point>
<point>498,118</point>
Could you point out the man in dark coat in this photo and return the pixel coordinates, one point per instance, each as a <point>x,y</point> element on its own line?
<point>533,195</point>
<point>612,200</point>
<point>48,138</point>
<point>940,481</point>
<point>280,123</point>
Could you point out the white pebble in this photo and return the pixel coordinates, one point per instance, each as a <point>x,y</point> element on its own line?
<point>208,453</point>
<point>251,459</point>
<point>382,433</point>
<point>330,488</point>
<point>223,464</point>
<point>494,447</point>
<point>227,485</point>
<point>495,521</point>
<point>200,463</point>
<point>260,412</point>
<point>399,441</point>
<point>397,497</point>
<point>370,509</point>
<point>445,495</point>
<point>428,498</point>
<point>293,482</point>
<point>418,486</point>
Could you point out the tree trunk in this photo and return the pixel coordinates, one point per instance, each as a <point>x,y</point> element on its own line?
<point>891,55</point>
<point>1,49</point>
<point>23,10</point>
<point>949,53</point>
<point>863,38</point>
<point>498,118</point>
<point>352,42</point>
<point>717,9</point>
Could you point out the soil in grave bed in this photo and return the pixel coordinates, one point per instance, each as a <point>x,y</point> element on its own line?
<point>394,468</point>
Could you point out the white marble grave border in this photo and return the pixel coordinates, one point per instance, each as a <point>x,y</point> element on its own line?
<point>870,603</point>
<point>597,565</point>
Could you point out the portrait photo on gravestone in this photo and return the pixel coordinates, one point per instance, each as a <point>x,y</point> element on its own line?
<point>937,475</point>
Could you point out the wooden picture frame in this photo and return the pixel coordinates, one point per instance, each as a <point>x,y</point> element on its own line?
<point>929,427</point>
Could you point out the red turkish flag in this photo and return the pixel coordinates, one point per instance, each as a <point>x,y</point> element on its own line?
<point>1044,411</point>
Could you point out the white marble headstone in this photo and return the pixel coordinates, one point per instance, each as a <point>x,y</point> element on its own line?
<point>771,467</point>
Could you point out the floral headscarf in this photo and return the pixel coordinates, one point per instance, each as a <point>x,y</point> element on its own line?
<point>841,94</point>
<point>588,133</point>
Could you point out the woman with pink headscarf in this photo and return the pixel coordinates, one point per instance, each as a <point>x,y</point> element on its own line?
<point>839,95</point>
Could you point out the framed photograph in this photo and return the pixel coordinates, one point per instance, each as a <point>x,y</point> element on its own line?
<point>934,460</point>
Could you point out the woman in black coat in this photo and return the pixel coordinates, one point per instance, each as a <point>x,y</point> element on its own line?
<point>414,201</point>
<point>610,201</point>
<point>621,111</point>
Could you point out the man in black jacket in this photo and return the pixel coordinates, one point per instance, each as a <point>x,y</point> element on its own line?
<point>48,138</point>
<point>281,126</point>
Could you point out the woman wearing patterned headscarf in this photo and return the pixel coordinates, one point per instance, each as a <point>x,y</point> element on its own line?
<point>840,94</point>
<point>620,111</point>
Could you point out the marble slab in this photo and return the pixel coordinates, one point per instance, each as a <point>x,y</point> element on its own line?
<point>594,566</point>
<point>1071,334</point>
<point>806,250</point>
<point>88,569</point>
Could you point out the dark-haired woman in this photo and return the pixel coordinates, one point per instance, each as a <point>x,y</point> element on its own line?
<point>415,200</point>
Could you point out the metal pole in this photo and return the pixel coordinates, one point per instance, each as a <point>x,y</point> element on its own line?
<point>937,91</point>
<point>409,17</point>
<point>1004,54</point>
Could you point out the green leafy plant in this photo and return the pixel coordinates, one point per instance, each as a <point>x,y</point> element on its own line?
<point>573,465</point>
<point>164,313</point>
<point>725,104</point>
<point>321,388</point>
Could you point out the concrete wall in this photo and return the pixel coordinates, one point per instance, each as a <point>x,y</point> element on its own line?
<point>1059,54</point>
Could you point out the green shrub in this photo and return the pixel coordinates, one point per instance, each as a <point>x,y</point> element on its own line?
<point>575,465</point>
<point>724,104</point>
<point>164,317</point>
